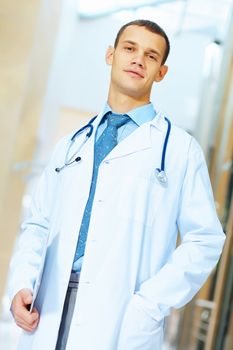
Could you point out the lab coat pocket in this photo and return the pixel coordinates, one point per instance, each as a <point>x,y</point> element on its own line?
<point>139,331</point>
<point>140,198</point>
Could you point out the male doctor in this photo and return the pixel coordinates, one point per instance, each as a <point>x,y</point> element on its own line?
<point>97,266</point>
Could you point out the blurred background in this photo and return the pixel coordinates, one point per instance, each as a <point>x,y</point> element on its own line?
<point>53,78</point>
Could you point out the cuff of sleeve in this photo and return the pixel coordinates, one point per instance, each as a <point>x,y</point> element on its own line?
<point>14,289</point>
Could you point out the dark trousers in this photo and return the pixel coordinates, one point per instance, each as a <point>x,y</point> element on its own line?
<point>67,313</point>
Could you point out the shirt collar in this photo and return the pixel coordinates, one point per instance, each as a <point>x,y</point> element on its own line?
<point>139,115</point>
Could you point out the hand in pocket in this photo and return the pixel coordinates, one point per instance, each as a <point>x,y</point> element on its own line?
<point>139,330</point>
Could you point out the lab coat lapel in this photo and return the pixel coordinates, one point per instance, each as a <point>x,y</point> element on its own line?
<point>75,182</point>
<point>138,140</point>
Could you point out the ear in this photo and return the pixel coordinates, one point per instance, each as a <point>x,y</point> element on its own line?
<point>109,55</point>
<point>161,73</point>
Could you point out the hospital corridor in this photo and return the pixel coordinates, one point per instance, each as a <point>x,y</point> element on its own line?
<point>151,265</point>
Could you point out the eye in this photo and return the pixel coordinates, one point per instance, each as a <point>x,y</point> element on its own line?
<point>128,48</point>
<point>152,57</point>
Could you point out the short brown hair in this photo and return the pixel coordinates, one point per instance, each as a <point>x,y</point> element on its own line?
<point>152,27</point>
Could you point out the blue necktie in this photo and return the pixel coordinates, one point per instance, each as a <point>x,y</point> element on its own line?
<point>106,142</point>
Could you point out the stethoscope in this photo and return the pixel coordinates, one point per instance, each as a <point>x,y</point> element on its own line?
<point>159,172</point>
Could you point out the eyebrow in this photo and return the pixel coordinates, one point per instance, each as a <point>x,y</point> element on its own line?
<point>149,49</point>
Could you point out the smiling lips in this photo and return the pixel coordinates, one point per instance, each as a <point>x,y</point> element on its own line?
<point>134,73</point>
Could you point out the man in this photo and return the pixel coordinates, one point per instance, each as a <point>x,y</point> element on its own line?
<point>105,213</point>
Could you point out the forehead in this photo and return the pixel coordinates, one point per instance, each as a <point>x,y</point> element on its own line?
<point>143,37</point>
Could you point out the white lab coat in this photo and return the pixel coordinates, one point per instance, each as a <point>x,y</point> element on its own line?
<point>132,274</point>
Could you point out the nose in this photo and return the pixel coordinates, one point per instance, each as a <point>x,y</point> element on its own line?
<point>138,60</point>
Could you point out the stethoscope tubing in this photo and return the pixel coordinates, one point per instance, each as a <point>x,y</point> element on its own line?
<point>89,125</point>
<point>160,172</point>
<point>165,144</point>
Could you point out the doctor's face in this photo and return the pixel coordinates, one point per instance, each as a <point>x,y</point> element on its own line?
<point>136,62</point>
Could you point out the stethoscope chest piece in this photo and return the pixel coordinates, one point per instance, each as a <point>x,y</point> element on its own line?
<point>161,176</point>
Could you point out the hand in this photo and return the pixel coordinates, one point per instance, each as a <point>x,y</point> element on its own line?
<point>20,309</point>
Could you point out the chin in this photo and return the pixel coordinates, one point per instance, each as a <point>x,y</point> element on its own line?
<point>132,88</point>
<point>134,91</point>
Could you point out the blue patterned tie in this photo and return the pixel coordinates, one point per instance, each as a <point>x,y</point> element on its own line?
<point>106,142</point>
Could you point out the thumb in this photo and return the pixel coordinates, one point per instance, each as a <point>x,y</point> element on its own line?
<point>27,297</point>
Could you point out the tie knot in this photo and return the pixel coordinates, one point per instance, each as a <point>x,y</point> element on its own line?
<point>117,120</point>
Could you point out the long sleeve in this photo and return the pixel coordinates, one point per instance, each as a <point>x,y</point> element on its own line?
<point>202,240</point>
<point>29,256</point>
<point>192,261</point>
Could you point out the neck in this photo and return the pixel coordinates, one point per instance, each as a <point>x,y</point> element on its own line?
<point>122,104</point>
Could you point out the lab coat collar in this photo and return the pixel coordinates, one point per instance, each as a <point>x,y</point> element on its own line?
<point>139,140</point>
<point>159,122</point>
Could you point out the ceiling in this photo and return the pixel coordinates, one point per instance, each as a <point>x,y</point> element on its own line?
<point>177,16</point>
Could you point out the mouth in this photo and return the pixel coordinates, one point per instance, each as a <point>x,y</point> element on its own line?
<point>134,73</point>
